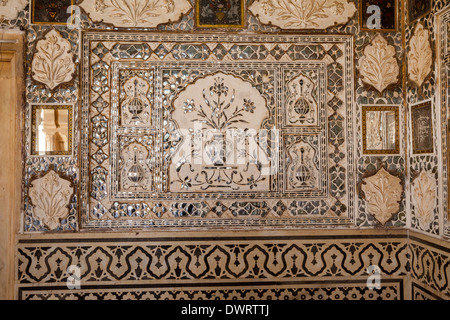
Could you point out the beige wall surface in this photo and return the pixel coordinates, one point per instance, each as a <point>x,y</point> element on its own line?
<point>10,157</point>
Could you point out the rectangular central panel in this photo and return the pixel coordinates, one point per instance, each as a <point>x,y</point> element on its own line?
<point>206,130</point>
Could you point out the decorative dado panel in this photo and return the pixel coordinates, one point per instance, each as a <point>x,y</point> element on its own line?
<point>316,265</point>
<point>199,130</point>
<point>430,266</point>
<point>283,265</point>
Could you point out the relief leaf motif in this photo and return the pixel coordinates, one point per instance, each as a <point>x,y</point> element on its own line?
<point>136,13</point>
<point>382,193</point>
<point>50,196</point>
<point>379,67</point>
<point>53,62</point>
<point>424,198</point>
<point>303,14</point>
<point>420,56</point>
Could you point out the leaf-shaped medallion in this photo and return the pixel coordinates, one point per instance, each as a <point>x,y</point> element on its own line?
<point>53,61</point>
<point>420,56</point>
<point>50,196</point>
<point>379,67</point>
<point>424,198</point>
<point>382,193</point>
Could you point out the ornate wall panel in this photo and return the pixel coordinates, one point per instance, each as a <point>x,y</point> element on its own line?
<point>427,27</point>
<point>430,266</point>
<point>140,83</point>
<point>191,266</point>
<point>200,130</point>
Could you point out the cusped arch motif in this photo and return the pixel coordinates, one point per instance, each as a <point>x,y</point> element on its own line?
<point>219,117</point>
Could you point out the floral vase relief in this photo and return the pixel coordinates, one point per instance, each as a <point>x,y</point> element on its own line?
<point>383,193</point>
<point>50,197</point>
<point>305,14</point>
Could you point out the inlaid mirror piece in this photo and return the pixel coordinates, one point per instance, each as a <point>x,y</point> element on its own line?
<point>177,139</point>
<point>380,129</point>
<point>220,13</point>
<point>378,15</point>
<point>52,11</point>
<point>422,128</point>
<point>51,131</point>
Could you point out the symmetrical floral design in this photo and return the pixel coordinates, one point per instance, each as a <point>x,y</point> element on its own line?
<point>420,56</point>
<point>424,198</point>
<point>215,111</point>
<point>53,61</point>
<point>136,13</point>
<point>304,14</point>
<point>383,193</point>
<point>302,170</point>
<point>50,196</point>
<point>379,67</point>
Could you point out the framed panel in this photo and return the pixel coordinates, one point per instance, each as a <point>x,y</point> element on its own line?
<point>388,14</point>
<point>220,13</point>
<point>57,12</point>
<point>381,129</point>
<point>179,140</point>
<point>417,9</point>
<point>51,130</point>
<point>422,128</point>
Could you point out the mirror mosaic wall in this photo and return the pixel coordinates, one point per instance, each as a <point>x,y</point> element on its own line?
<point>206,116</point>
